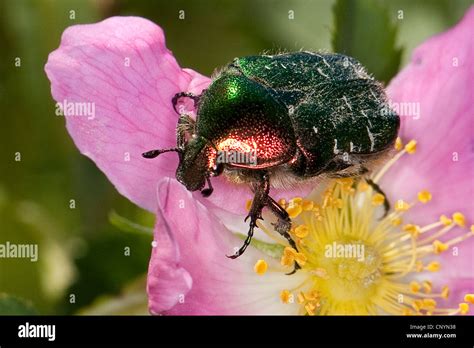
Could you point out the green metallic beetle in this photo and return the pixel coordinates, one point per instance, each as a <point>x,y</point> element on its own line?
<point>303,115</point>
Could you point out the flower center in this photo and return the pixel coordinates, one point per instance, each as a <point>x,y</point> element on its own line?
<point>358,258</point>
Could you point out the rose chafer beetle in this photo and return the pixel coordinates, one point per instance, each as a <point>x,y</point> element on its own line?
<point>305,115</point>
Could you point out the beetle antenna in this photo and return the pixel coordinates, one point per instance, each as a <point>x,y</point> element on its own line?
<point>156,153</point>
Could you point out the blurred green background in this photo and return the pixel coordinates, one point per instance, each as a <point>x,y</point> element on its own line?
<point>84,266</point>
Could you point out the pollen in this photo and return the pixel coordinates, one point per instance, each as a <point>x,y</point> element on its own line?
<point>424,196</point>
<point>445,220</point>
<point>464,308</point>
<point>427,287</point>
<point>378,199</point>
<point>414,230</point>
<point>396,221</point>
<point>307,205</point>
<point>285,296</point>
<point>294,210</point>
<point>282,202</point>
<point>398,144</point>
<point>415,287</point>
<point>469,298</point>
<point>301,231</point>
<point>301,259</point>
<point>445,292</point>
<point>260,267</point>
<point>439,247</point>
<point>411,147</point>
<point>433,266</point>
<point>459,219</point>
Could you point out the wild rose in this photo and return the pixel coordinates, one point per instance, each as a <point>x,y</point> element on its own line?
<point>416,260</point>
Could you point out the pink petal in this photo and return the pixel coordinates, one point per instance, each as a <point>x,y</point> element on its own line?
<point>445,127</point>
<point>122,66</point>
<point>444,130</point>
<point>189,272</point>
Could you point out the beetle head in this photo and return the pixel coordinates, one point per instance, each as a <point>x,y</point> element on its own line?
<point>196,163</point>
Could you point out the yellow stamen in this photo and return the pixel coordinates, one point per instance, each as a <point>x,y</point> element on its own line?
<point>362,186</point>
<point>439,247</point>
<point>445,220</point>
<point>414,230</point>
<point>282,202</point>
<point>310,307</point>
<point>463,308</point>
<point>300,258</point>
<point>427,286</point>
<point>433,266</point>
<point>378,199</point>
<point>287,260</point>
<point>469,298</point>
<point>424,196</point>
<point>294,210</point>
<point>296,201</point>
<point>260,267</point>
<point>285,296</point>
<point>445,292</point>
<point>429,303</point>
<point>411,147</point>
<point>396,221</point>
<point>307,205</point>
<point>415,287</point>
<point>398,144</point>
<point>459,219</point>
<point>301,231</point>
<point>300,298</point>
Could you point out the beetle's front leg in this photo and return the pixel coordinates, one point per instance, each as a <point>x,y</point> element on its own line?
<point>376,188</point>
<point>259,201</point>
<point>283,225</point>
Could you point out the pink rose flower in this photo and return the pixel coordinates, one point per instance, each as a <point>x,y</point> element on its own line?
<point>413,261</point>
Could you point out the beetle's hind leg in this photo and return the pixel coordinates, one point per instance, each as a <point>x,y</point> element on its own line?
<point>376,188</point>
<point>255,213</point>
<point>283,226</point>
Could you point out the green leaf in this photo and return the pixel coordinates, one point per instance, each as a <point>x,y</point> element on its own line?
<point>126,225</point>
<point>366,31</point>
<point>10,305</point>
<point>271,249</point>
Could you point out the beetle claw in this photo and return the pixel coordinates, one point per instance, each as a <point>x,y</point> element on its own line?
<point>207,192</point>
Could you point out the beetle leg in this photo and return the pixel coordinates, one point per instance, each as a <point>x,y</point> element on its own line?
<point>255,213</point>
<point>376,188</point>
<point>176,97</point>
<point>207,192</point>
<point>185,124</point>
<point>283,225</point>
